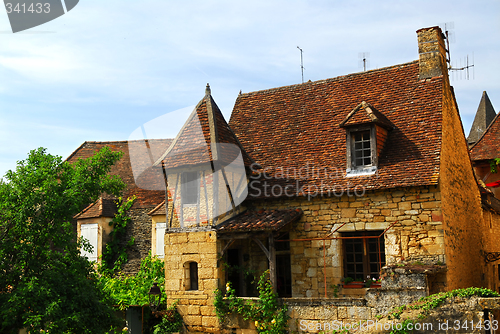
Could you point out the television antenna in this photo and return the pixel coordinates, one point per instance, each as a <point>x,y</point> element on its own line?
<point>456,70</point>
<point>364,60</point>
<point>301,64</point>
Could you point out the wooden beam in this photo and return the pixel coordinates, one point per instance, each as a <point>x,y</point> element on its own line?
<point>227,246</point>
<point>272,263</point>
<point>261,245</point>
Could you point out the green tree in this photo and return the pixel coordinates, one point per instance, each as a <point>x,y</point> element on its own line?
<point>45,285</point>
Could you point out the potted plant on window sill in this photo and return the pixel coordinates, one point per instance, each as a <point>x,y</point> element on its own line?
<point>373,283</point>
<point>349,283</point>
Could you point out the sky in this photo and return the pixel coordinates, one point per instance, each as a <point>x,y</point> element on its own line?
<point>105,68</point>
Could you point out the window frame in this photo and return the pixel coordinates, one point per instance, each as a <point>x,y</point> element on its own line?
<point>352,167</point>
<point>365,253</point>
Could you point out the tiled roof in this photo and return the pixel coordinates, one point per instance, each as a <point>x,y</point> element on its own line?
<point>203,137</point>
<point>488,145</point>
<point>484,116</point>
<point>158,210</point>
<point>262,220</point>
<point>294,128</point>
<point>103,207</point>
<point>145,198</point>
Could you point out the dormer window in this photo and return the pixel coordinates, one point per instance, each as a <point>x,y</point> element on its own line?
<point>361,150</point>
<point>366,133</point>
<point>361,141</point>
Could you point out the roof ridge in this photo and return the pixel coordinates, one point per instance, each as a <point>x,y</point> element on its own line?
<point>337,78</point>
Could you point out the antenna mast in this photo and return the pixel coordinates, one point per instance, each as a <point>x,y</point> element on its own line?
<point>301,64</point>
<point>450,36</point>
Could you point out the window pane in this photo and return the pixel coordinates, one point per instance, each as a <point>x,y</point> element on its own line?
<point>190,185</point>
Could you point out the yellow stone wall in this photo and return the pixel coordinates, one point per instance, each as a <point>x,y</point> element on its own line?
<point>195,306</point>
<point>417,234</point>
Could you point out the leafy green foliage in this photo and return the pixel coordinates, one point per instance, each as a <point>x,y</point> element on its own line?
<point>425,304</point>
<point>45,285</point>
<point>114,255</point>
<point>171,321</point>
<point>125,291</point>
<point>494,164</point>
<point>269,315</point>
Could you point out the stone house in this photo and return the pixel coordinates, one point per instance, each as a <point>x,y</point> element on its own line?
<point>365,176</point>
<point>484,149</point>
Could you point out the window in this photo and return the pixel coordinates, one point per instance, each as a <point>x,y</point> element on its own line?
<point>361,148</point>
<point>90,233</point>
<point>283,267</point>
<point>193,276</point>
<point>363,257</point>
<point>190,186</point>
<point>160,239</point>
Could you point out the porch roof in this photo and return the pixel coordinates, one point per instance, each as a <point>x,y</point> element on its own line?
<point>261,220</point>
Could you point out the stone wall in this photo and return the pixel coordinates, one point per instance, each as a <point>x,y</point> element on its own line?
<point>195,306</point>
<point>416,236</point>
<point>139,228</point>
<point>461,202</point>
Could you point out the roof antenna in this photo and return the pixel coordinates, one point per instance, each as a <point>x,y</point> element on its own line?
<point>450,37</point>
<point>363,60</point>
<point>301,64</point>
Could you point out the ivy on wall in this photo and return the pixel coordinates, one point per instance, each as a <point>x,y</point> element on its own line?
<point>268,314</point>
<point>114,255</point>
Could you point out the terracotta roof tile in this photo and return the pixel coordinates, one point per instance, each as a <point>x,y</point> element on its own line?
<point>297,127</point>
<point>145,198</point>
<point>103,207</point>
<point>158,210</point>
<point>488,145</point>
<point>203,137</point>
<point>262,220</point>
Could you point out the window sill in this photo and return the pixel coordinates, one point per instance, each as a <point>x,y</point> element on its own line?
<point>361,171</point>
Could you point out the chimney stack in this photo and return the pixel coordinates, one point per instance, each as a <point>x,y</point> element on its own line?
<point>432,53</point>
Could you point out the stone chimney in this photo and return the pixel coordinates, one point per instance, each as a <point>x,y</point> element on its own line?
<point>432,53</point>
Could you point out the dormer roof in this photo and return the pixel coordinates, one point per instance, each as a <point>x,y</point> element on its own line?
<point>365,113</point>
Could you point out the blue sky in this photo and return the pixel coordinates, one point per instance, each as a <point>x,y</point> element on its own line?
<point>105,68</point>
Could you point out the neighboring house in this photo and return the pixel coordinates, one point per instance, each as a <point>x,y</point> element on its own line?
<point>483,153</point>
<point>93,222</point>
<point>364,176</point>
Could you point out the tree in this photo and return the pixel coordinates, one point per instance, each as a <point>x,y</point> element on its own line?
<point>45,285</point>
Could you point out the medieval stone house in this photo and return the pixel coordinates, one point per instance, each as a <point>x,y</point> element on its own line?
<point>365,176</point>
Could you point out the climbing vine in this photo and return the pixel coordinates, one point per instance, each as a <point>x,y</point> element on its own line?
<point>114,255</point>
<point>494,163</point>
<point>268,314</point>
<point>133,290</point>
